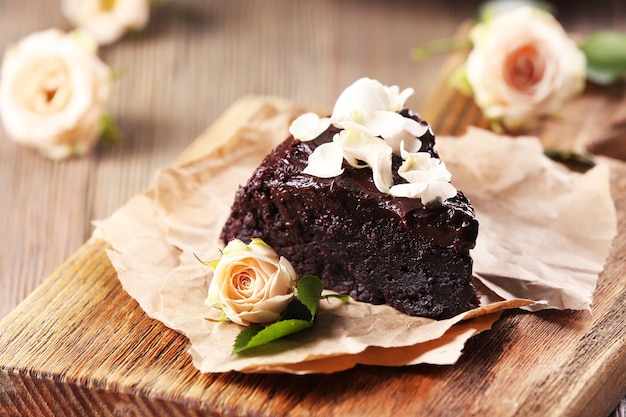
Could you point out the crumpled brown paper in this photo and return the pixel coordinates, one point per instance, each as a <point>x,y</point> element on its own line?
<point>545,232</point>
<point>544,235</point>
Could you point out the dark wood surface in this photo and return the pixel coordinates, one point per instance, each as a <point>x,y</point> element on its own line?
<point>191,63</point>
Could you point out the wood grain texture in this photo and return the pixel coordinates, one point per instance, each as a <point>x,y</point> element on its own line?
<point>193,61</point>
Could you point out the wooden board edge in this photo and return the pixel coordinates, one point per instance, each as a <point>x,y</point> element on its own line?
<point>217,136</point>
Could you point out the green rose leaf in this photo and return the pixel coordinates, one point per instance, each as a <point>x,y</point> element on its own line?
<point>256,335</point>
<point>310,290</point>
<point>296,310</point>
<point>606,56</point>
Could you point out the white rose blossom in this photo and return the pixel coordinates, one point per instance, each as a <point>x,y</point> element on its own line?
<point>371,130</point>
<point>251,283</point>
<point>107,20</point>
<point>523,65</point>
<point>54,91</point>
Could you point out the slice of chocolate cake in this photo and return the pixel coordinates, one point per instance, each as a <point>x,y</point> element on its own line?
<point>359,240</point>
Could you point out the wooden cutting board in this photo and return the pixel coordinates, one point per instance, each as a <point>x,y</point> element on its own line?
<point>79,345</point>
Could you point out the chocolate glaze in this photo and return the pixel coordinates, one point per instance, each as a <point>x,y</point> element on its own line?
<point>370,245</point>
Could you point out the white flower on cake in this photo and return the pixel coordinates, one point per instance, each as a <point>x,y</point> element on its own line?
<point>427,178</point>
<point>371,107</point>
<point>326,161</point>
<point>371,130</point>
<point>523,65</point>
<point>53,93</point>
<point>309,126</point>
<point>251,283</point>
<point>362,150</point>
<point>107,20</point>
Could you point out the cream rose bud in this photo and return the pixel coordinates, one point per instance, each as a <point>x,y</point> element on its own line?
<point>523,65</point>
<point>53,93</point>
<point>107,20</point>
<point>251,283</point>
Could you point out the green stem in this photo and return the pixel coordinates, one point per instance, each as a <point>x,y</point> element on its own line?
<point>440,46</point>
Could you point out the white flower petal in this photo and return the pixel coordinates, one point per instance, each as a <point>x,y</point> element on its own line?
<point>369,95</point>
<point>414,127</point>
<point>415,163</point>
<point>437,192</point>
<point>385,124</point>
<point>381,170</point>
<point>409,145</point>
<point>399,101</point>
<point>428,179</point>
<point>397,98</point>
<point>325,161</point>
<point>364,94</point>
<point>408,190</point>
<point>308,126</point>
<point>375,152</point>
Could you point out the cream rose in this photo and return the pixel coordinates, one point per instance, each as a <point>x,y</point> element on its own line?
<point>107,20</point>
<point>251,283</point>
<point>53,93</point>
<point>523,65</point>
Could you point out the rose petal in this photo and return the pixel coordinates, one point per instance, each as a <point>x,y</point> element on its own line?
<point>107,21</point>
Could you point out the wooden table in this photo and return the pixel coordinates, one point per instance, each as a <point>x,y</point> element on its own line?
<point>192,62</point>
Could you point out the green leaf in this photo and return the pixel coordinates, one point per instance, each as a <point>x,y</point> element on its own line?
<point>256,335</point>
<point>343,297</point>
<point>110,132</point>
<point>573,160</point>
<point>212,264</point>
<point>459,81</point>
<point>440,46</point>
<point>296,310</point>
<point>310,290</point>
<point>243,338</point>
<point>606,56</point>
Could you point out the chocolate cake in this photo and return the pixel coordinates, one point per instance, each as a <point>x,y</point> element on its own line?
<point>360,241</point>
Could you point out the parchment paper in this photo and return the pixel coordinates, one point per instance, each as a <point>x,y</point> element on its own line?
<point>544,232</point>
<point>544,235</point>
